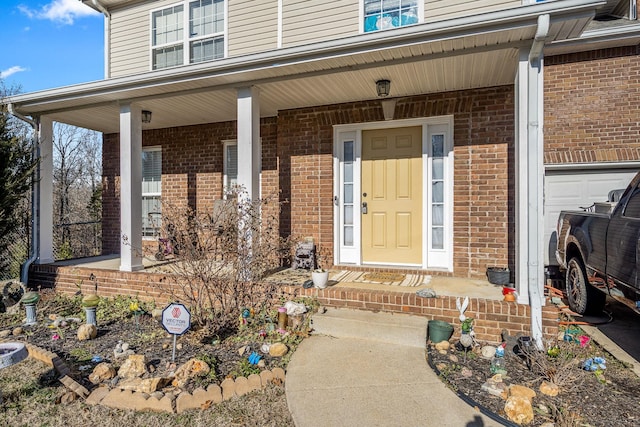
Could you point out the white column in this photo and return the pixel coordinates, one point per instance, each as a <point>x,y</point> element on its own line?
<point>45,194</point>
<point>529,187</point>
<point>249,151</point>
<point>130,188</point>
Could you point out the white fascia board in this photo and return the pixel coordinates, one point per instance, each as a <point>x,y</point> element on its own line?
<point>502,20</point>
<point>602,35</point>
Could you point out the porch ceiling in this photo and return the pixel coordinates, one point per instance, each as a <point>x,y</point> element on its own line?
<point>449,55</point>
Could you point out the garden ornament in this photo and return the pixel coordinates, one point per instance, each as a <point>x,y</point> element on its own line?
<point>462,307</point>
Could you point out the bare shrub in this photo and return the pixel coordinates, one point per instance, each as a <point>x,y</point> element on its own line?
<point>560,365</point>
<point>221,256</point>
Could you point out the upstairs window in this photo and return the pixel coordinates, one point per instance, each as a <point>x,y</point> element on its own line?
<point>179,38</point>
<point>386,14</point>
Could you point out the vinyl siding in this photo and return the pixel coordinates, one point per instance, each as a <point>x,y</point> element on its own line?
<point>309,21</point>
<point>436,10</point>
<point>253,26</point>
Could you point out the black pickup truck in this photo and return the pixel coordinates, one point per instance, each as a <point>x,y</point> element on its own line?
<point>599,248</point>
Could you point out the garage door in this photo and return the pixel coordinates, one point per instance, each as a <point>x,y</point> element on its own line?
<point>572,189</point>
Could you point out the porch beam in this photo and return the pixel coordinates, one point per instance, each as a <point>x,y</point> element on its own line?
<point>45,193</point>
<point>130,187</point>
<point>249,150</point>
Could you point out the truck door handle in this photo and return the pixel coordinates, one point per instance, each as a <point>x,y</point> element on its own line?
<point>364,207</point>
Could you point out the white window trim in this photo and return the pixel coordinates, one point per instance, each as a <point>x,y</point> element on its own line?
<point>153,194</point>
<point>338,138</point>
<point>420,6</point>
<point>186,39</point>
<point>225,177</point>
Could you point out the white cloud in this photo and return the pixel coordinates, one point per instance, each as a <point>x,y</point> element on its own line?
<point>60,11</point>
<point>11,70</point>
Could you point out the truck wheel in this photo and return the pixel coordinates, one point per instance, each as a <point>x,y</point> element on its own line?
<point>583,298</point>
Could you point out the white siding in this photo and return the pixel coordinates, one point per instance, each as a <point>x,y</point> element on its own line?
<point>253,26</point>
<point>436,10</point>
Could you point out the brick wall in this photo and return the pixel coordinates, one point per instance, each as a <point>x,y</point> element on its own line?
<point>192,169</point>
<point>592,102</point>
<point>483,171</point>
<point>297,151</point>
<point>490,317</point>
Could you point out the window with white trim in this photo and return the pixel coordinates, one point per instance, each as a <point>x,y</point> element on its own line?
<point>179,38</point>
<point>230,165</point>
<point>151,191</point>
<point>386,14</point>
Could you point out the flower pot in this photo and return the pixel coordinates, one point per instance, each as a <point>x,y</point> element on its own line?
<point>320,278</point>
<point>498,275</point>
<point>439,331</point>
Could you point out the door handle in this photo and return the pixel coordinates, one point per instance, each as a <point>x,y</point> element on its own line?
<point>364,207</point>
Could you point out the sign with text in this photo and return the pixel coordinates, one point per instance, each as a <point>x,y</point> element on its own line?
<point>176,319</point>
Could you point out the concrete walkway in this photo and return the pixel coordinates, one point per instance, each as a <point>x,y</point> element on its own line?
<point>336,378</point>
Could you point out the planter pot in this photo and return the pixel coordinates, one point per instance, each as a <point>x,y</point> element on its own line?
<point>439,331</point>
<point>320,279</point>
<point>498,275</point>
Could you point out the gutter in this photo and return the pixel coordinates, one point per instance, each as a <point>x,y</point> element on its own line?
<point>107,41</point>
<point>536,297</point>
<point>35,198</point>
<point>485,23</point>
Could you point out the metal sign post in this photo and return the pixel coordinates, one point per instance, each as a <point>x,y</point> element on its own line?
<point>176,319</point>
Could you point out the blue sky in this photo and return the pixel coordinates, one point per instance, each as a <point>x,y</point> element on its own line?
<point>50,43</point>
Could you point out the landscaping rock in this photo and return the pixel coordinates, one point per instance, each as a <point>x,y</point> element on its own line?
<point>254,382</point>
<point>549,389</point>
<point>191,369</point>
<point>488,351</point>
<point>102,372</point>
<point>97,395</point>
<point>87,332</point>
<point>522,391</point>
<point>443,346</point>
<point>519,410</point>
<point>146,385</point>
<point>134,366</point>
<point>266,377</point>
<point>242,386</point>
<point>495,388</point>
<point>17,331</point>
<point>278,349</point>
<point>228,388</point>
<point>5,333</point>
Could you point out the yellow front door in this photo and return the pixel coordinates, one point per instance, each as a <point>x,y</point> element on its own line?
<point>392,196</point>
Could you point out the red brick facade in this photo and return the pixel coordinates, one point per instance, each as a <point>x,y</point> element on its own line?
<point>592,102</point>
<point>297,151</point>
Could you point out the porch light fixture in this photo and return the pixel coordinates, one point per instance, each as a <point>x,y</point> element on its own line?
<point>146,116</point>
<point>383,87</point>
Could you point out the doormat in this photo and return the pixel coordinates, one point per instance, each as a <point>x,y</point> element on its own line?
<point>391,279</point>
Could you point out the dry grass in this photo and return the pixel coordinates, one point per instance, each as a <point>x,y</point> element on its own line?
<point>30,391</point>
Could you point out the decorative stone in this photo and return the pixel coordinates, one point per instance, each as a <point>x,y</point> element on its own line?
<point>242,386</point>
<point>254,382</point>
<point>278,349</point>
<point>87,332</point>
<point>17,331</point>
<point>146,385</point>
<point>102,372</point>
<point>135,366</point>
<point>453,358</point>
<point>5,333</point>
<point>549,389</point>
<point>68,397</point>
<point>488,351</point>
<point>522,391</point>
<point>443,345</point>
<point>278,373</point>
<point>191,369</point>
<point>261,364</point>
<point>466,372</point>
<point>156,313</point>
<point>519,410</point>
<point>498,389</point>
<point>244,349</point>
<point>74,386</point>
<point>266,377</point>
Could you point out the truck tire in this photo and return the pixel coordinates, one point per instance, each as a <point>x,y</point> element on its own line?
<point>583,298</point>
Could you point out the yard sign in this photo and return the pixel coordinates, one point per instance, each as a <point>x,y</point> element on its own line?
<point>176,319</point>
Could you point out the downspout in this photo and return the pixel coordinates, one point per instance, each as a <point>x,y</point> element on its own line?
<point>534,179</point>
<point>107,32</point>
<point>35,198</point>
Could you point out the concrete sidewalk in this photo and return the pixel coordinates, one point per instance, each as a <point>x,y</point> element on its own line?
<point>337,378</point>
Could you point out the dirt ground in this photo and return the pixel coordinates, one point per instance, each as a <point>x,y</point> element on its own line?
<point>605,398</point>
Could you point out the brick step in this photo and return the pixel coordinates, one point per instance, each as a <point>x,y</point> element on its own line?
<point>392,328</point>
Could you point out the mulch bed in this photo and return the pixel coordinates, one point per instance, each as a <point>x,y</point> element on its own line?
<point>608,399</point>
